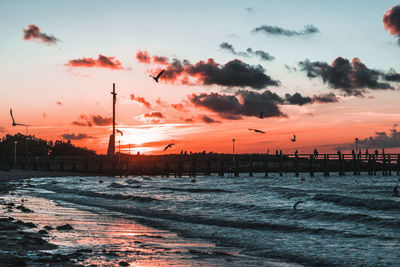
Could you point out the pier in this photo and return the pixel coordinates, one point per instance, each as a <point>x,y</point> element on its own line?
<point>199,164</point>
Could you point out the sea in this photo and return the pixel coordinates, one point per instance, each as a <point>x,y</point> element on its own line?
<point>220,221</point>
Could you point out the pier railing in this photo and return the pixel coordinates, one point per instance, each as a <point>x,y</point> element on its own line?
<point>206,164</point>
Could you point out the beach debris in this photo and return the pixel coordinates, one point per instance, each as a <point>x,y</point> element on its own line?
<point>193,180</point>
<point>297,203</point>
<point>43,232</point>
<point>23,209</point>
<point>101,181</point>
<point>64,227</point>
<point>123,263</point>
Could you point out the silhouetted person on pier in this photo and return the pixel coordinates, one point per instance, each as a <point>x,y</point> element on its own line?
<point>376,153</point>
<point>296,153</point>
<point>280,153</point>
<point>383,152</point>
<point>366,153</point>
<point>267,151</point>
<point>276,152</point>
<point>359,153</point>
<point>315,153</point>
<point>339,153</point>
<point>352,152</point>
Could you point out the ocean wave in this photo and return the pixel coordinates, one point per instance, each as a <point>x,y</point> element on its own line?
<point>369,203</point>
<point>196,190</point>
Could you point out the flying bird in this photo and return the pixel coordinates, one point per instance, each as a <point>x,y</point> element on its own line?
<point>261,115</point>
<point>158,76</point>
<point>293,139</point>
<point>168,146</point>
<point>297,203</point>
<point>119,131</point>
<point>257,131</point>
<point>15,124</point>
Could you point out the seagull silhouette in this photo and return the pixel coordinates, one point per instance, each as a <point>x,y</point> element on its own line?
<point>158,76</point>
<point>297,203</point>
<point>15,124</point>
<point>293,139</point>
<point>261,115</point>
<point>168,146</point>
<point>257,131</point>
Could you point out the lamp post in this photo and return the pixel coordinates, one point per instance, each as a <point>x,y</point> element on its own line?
<point>15,151</point>
<point>356,144</point>
<point>233,150</point>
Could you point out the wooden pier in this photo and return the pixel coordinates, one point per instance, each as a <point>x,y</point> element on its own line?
<point>198,164</point>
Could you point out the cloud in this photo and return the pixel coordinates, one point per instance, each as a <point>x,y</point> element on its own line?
<point>179,106</point>
<point>353,78</point>
<point>154,115</point>
<point>249,52</point>
<point>160,60</point>
<point>325,98</point>
<point>80,136</point>
<point>278,31</point>
<point>143,57</point>
<point>207,119</point>
<point>391,20</point>
<point>141,100</point>
<point>234,73</point>
<point>59,103</point>
<point>244,103</point>
<point>249,9</point>
<point>297,99</point>
<point>98,120</point>
<point>3,130</point>
<point>380,140</point>
<point>33,33</point>
<point>100,62</point>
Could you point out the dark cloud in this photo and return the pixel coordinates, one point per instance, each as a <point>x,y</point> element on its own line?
<point>59,103</point>
<point>154,115</point>
<point>380,140</point>
<point>353,78</point>
<point>290,69</point>
<point>100,62</point>
<point>249,52</point>
<point>244,103</point>
<point>278,31</point>
<point>160,60</point>
<point>33,33</point>
<point>207,119</point>
<point>249,9</point>
<point>80,136</point>
<point>325,98</point>
<point>297,99</point>
<point>141,100</point>
<point>100,121</point>
<point>391,21</point>
<point>392,76</point>
<point>234,73</point>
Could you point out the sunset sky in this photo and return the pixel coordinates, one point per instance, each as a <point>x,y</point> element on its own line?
<point>326,71</point>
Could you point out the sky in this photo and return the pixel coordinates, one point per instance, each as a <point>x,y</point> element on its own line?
<point>325,71</point>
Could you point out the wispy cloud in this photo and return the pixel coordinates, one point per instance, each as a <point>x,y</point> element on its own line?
<point>278,31</point>
<point>100,62</point>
